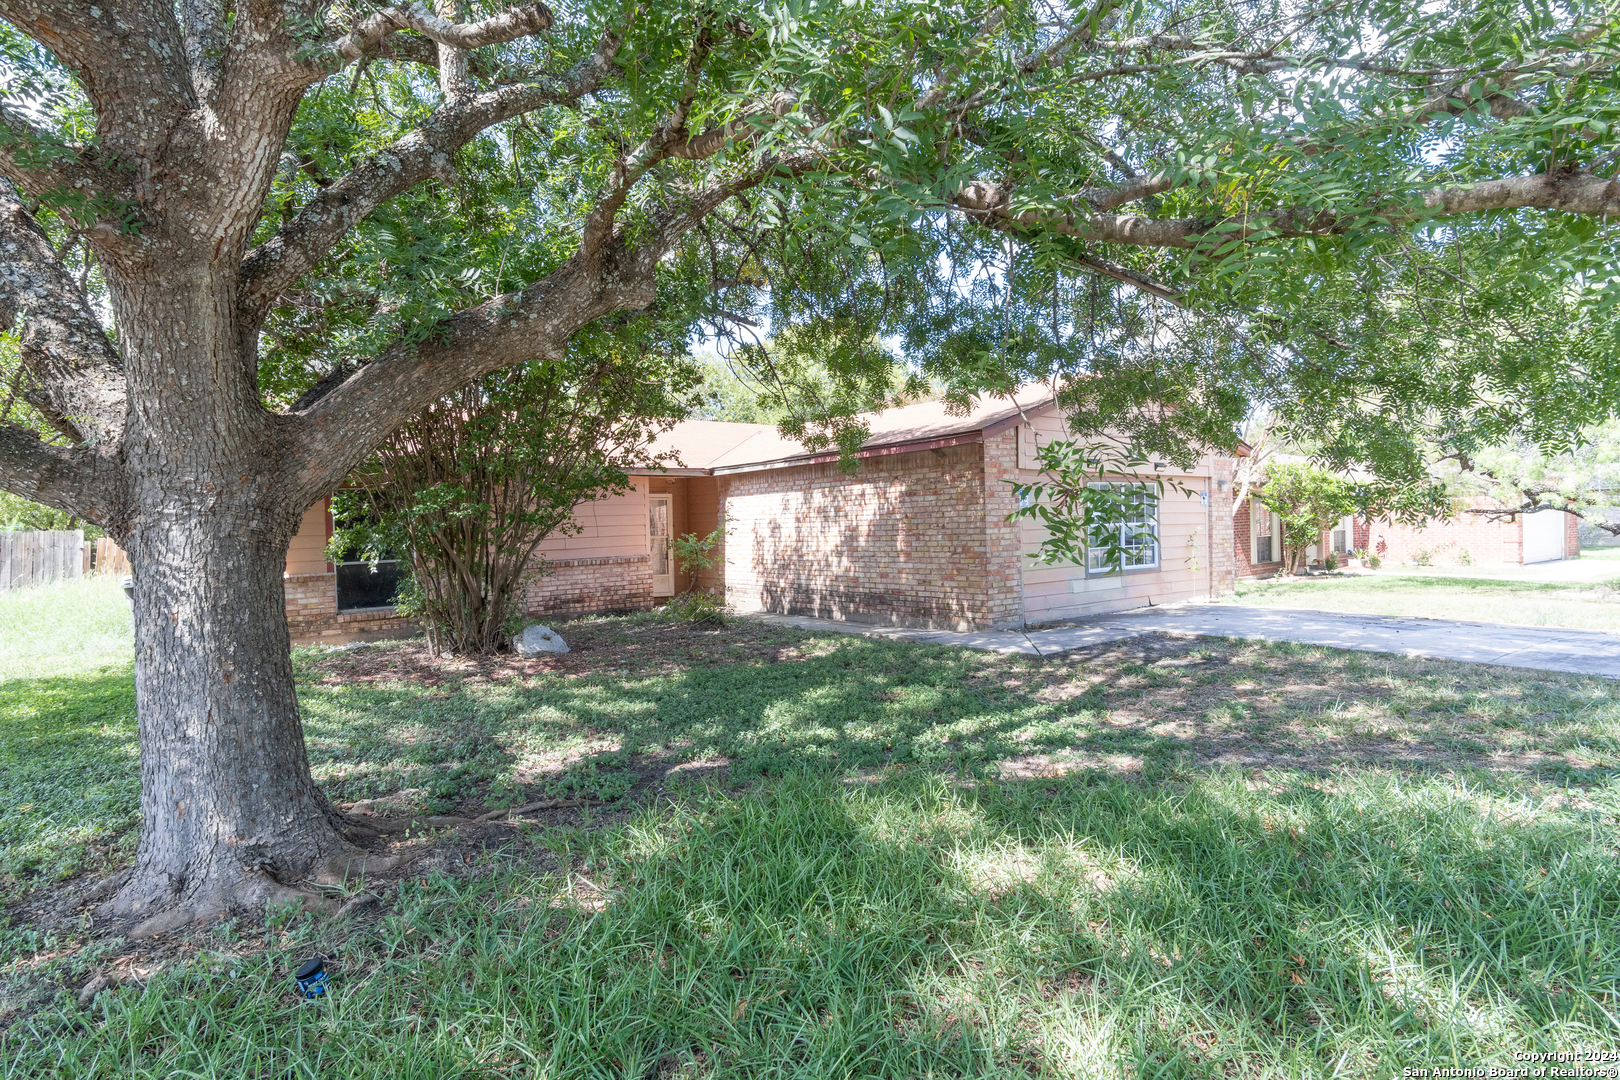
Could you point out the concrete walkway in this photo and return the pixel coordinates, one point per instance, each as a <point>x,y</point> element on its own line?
<point>1584,652</point>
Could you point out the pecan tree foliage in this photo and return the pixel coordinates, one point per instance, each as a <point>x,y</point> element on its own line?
<point>196,269</point>
<point>1522,478</point>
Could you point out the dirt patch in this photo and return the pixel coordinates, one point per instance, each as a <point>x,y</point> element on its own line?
<point>640,647</point>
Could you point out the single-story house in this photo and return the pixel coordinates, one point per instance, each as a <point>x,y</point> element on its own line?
<point>917,535</point>
<point>1496,537</point>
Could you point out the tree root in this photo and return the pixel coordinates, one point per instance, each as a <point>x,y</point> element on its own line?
<point>255,893</point>
<point>253,890</point>
<point>543,804</point>
<point>370,826</point>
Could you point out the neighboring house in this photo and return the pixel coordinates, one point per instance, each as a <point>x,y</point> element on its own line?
<point>917,535</point>
<point>1466,539</point>
<point>1470,538</point>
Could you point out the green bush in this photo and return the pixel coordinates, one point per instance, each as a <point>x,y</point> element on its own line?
<point>695,553</point>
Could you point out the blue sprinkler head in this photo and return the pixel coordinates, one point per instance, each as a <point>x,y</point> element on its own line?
<point>311,978</point>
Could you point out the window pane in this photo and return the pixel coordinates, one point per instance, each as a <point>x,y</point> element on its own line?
<point>1136,532</point>
<point>1141,547</point>
<point>358,586</point>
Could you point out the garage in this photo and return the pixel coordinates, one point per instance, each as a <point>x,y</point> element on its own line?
<point>1543,536</point>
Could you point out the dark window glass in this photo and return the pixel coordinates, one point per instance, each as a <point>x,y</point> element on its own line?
<point>1262,549</point>
<point>359,586</point>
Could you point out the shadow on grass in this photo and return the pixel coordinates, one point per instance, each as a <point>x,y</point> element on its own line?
<point>69,774</point>
<point>860,704</point>
<point>918,928</point>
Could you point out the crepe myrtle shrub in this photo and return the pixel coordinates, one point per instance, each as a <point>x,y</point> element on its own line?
<point>1098,503</point>
<point>1371,217</point>
<point>466,490</point>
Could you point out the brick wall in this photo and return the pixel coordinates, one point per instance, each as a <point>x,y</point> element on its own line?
<point>902,541</point>
<point>1242,533</point>
<point>1572,536</point>
<point>312,613</point>
<point>1465,539</point>
<point>1003,539</point>
<point>589,586</point>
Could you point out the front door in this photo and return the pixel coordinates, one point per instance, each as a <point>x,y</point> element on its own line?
<point>658,535</point>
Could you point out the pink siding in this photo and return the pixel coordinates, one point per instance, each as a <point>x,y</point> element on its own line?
<point>613,527</point>
<point>307,552</point>
<point>1186,559</point>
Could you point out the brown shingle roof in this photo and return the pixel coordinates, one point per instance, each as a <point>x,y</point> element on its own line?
<point>706,446</point>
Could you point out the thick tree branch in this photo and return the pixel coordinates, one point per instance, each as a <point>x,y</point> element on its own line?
<point>128,55</point>
<point>60,339</point>
<point>536,322</point>
<point>1574,193</point>
<point>453,80</point>
<point>84,482</point>
<point>276,265</point>
<point>1111,198</point>
<point>204,26</point>
<point>509,25</point>
<point>40,163</point>
<point>361,408</point>
<point>415,49</point>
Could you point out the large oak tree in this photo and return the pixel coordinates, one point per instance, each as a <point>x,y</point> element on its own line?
<point>1205,203</point>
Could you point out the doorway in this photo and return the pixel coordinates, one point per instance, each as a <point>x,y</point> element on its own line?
<point>660,539</point>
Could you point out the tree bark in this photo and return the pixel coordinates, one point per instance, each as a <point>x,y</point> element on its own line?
<point>230,816</point>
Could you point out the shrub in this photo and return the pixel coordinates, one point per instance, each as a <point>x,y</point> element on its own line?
<point>692,554</point>
<point>468,489</point>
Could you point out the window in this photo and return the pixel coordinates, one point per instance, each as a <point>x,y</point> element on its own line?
<point>1341,537</point>
<point>359,585</point>
<point>1263,533</point>
<point>1137,533</point>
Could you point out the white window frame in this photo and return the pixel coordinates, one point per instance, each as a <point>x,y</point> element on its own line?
<point>1149,520</point>
<point>1258,511</point>
<point>1346,525</point>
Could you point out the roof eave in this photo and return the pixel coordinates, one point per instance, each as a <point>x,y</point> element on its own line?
<point>909,447</point>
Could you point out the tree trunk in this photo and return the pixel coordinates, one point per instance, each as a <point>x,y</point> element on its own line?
<point>230,815</point>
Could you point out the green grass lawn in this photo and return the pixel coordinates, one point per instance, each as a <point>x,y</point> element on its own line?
<point>835,856</point>
<point>1453,593</point>
<point>73,626</point>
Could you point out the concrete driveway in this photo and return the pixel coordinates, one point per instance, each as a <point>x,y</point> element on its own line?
<point>1584,652</point>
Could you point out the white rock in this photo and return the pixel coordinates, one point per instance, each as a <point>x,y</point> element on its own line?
<point>540,639</point>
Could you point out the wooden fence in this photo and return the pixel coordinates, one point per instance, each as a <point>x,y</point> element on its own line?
<point>39,558</point>
<point>105,557</point>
